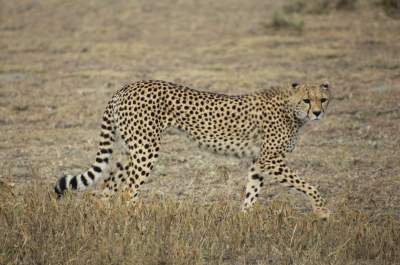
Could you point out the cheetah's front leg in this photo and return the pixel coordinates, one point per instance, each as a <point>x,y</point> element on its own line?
<point>284,175</point>
<point>255,180</point>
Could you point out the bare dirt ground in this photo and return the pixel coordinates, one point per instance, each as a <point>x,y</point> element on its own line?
<point>62,60</point>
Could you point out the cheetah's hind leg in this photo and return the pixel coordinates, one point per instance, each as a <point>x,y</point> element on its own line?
<point>114,184</point>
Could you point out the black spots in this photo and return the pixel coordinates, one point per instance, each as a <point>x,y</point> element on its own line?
<point>106,151</point>
<point>257,177</point>
<point>100,160</point>
<point>105,135</point>
<point>91,175</point>
<point>74,183</point>
<point>96,169</point>
<point>105,143</point>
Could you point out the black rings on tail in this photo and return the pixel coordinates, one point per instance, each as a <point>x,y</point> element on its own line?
<point>94,173</point>
<point>61,186</point>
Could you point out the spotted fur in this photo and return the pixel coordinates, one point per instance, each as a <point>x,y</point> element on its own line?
<point>264,125</point>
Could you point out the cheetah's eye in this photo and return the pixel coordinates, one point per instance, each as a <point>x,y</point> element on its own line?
<point>323,100</point>
<point>306,100</point>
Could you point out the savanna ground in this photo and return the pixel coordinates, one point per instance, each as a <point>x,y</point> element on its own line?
<point>62,60</point>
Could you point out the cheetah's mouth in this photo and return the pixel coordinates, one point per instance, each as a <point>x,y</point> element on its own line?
<point>315,118</point>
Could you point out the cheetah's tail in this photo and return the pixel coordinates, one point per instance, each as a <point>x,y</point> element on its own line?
<point>94,174</point>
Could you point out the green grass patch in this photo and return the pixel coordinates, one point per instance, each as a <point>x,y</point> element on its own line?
<point>283,20</point>
<point>320,6</point>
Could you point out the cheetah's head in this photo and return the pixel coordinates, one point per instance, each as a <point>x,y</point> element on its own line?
<point>311,100</point>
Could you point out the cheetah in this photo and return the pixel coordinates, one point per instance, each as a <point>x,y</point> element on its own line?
<point>263,125</point>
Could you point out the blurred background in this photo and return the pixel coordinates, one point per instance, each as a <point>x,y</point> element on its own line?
<point>62,60</point>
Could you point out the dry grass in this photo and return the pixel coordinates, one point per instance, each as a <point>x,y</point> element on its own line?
<point>37,229</point>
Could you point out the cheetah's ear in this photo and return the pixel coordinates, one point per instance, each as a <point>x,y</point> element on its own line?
<point>324,85</point>
<point>295,85</point>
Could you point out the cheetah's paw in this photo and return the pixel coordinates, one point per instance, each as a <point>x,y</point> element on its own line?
<point>322,213</point>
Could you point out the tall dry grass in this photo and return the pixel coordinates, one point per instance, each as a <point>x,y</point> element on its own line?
<point>35,228</point>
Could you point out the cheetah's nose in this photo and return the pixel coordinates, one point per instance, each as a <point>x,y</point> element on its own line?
<point>316,113</point>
